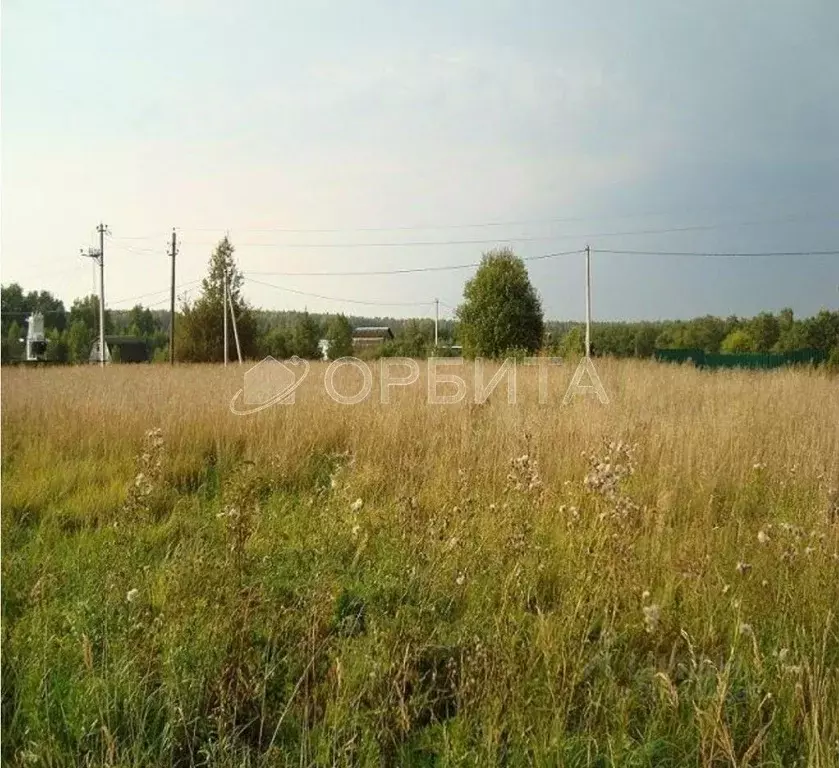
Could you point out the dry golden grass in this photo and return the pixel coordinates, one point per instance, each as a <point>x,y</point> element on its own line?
<point>671,598</point>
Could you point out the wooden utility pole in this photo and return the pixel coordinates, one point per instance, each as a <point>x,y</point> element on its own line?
<point>588,301</point>
<point>99,257</point>
<point>172,300</point>
<point>436,319</point>
<point>235,330</point>
<point>101,229</point>
<point>224,310</point>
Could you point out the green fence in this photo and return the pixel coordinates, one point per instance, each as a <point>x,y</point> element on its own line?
<point>763,361</point>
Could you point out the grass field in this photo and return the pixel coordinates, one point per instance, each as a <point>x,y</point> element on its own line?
<point>645,583</point>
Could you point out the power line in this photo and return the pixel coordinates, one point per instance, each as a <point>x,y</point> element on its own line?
<point>134,249</point>
<point>493,241</point>
<point>407,270</point>
<point>156,293</point>
<point>488,224</point>
<point>31,311</point>
<point>718,254</point>
<point>139,237</point>
<point>346,301</point>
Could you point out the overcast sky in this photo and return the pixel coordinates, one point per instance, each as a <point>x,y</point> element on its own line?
<point>561,123</point>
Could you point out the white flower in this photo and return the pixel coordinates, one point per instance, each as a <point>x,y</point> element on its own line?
<point>746,629</point>
<point>132,595</point>
<point>460,579</point>
<point>646,595</point>
<point>762,537</point>
<point>743,567</point>
<point>355,529</point>
<point>356,505</point>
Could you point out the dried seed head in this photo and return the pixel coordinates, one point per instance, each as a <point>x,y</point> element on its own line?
<point>652,616</point>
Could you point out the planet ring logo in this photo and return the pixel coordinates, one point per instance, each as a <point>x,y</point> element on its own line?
<point>270,382</point>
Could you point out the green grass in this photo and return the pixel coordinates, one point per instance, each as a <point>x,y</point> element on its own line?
<point>243,613</point>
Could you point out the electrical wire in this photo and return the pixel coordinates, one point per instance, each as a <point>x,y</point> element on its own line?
<point>155,293</point>
<point>8,312</point>
<point>489,224</point>
<point>139,251</point>
<point>346,301</point>
<point>508,241</point>
<point>407,270</point>
<point>718,254</point>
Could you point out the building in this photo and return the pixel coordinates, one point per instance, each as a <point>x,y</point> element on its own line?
<point>121,349</point>
<point>369,337</point>
<point>36,341</point>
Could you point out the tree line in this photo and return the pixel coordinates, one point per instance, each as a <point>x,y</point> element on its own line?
<point>500,314</point>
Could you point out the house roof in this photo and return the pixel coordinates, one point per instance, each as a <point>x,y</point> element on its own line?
<point>132,349</point>
<point>373,332</point>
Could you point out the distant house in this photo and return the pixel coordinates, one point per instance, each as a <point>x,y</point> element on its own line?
<point>121,349</point>
<point>368,337</point>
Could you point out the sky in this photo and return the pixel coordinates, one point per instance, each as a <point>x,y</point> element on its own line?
<point>382,135</point>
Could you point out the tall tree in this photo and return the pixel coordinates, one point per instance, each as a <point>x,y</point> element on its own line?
<point>141,322</point>
<point>275,343</point>
<point>501,311</point>
<point>79,340</point>
<point>15,305</point>
<point>765,331</point>
<point>14,346</point>
<point>645,339</point>
<point>823,331</point>
<point>305,337</point>
<point>57,349</point>
<point>86,310</point>
<point>200,334</point>
<point>339,336</point>
<point>738,341</point>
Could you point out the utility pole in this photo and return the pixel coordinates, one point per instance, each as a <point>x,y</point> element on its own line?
<point>588,301</point>
<point>436,319</point>
<point>101,229</point>
<point>224,311</point>
<point>172,301</point>
<point>235,330</point>
<point>99,256</point>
